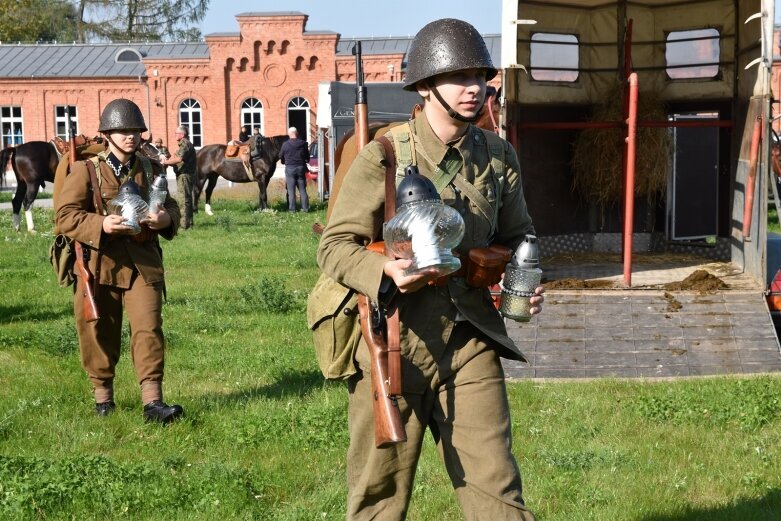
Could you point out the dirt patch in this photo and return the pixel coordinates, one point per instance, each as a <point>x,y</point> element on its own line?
<point>578,284</point>
<point>700,280</point>
<point>673,305</point>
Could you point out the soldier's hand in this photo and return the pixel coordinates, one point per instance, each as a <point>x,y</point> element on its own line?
<point>537,300</point>
<point>409,283</point>
<point>158,220</point>
<point>115,225</point>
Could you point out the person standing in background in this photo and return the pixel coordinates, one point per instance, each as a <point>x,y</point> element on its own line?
<point>184,166</point>
<point>295,156</point>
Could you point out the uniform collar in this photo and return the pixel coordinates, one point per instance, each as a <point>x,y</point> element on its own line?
<point>433,147</point>
<point>118,167</point>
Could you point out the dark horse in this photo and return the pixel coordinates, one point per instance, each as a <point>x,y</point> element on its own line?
<point>33,163</point>
<point>211,164</point>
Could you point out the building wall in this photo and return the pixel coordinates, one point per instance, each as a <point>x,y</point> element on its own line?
<point>272,58</point>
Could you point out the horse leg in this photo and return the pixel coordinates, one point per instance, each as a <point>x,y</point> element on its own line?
<point>16,203</point>
<point>29,199</point>
<point>197,189</point>
<point>212,182</point>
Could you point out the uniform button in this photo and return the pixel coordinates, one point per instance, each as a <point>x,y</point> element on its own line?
<point>104,194</point>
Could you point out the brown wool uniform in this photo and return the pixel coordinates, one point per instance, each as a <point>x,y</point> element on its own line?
<point>131,277</point>
<point>451,341</point>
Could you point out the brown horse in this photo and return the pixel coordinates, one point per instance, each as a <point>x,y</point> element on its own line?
<point>211,163</point>
<point>33,163</point>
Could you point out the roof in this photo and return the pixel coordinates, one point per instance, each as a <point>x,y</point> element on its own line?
<point>399,45</point>
<point>98,60</point>
<point>87,60</point>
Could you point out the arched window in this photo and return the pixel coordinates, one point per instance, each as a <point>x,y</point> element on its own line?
<point>298,116</point>
<point>252,114</point>
<point>190,117</point>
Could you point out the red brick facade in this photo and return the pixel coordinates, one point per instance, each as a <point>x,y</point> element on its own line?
<point>272,59</point>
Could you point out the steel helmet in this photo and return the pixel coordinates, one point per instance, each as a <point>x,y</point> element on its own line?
<point>121,114</point>
<point>446,45</point>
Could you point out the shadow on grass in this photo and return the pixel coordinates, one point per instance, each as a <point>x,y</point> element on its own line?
<point>34,313</point>
<point>764,508</point>
<point>287,385</point>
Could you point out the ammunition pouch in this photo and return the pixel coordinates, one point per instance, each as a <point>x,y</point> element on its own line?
<point>481,267</point>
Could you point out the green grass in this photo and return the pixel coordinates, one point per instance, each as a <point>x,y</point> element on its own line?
<point>264,437</point>
<point>6,197</point>
<point>772,219</point>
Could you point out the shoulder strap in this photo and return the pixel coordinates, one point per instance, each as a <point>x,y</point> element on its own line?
<point>404,147</point>
<point>93,178</point>
<point>390,177</point>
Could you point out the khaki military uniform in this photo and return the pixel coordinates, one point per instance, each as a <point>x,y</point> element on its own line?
<point>451,339</point>
<point>130,276</point>
<point>185,177</point>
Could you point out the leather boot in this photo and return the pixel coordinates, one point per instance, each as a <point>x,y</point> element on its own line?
<point>105,408</point>
<point>158,411</point>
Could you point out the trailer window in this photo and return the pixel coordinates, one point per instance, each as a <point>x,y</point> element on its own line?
<point>692,54</point>
<point>554,57</point>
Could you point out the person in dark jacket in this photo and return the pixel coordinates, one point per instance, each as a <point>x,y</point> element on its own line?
<point>295,156</point>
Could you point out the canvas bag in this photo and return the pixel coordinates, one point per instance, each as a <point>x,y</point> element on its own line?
<point>62,256</point>
<point>332,315</point>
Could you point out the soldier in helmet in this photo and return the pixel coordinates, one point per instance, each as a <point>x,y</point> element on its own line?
<point>127,267</point>
<point>451,336</point>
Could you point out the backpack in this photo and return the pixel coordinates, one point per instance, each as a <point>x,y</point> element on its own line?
<point>332,308</point>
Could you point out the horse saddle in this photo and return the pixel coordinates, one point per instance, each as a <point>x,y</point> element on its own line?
<point>238,152</point>
<point>63,146</point>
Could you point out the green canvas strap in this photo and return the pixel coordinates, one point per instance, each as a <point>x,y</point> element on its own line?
<point>447,171</point>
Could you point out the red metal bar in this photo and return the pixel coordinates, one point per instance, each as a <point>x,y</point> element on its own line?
<point>629,195</point>
<point>577,125</point>
<point>751,178</point>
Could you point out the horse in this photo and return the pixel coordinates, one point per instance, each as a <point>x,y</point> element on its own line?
<point>34,163</point>
<point>211,164</point>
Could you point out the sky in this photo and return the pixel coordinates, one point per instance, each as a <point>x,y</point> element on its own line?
<point>352,18</point>
<point>361,18</point>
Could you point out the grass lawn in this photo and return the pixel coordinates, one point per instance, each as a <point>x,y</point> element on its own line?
<point>264,437</point>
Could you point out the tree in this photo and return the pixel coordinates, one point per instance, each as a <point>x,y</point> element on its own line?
<point>133,20</point>
<point>37,20</point>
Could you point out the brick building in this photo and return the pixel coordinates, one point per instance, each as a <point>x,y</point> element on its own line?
<point>266,75</point>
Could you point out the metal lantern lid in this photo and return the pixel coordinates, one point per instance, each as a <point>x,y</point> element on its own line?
<point>129,187</point>
<point>415,188</point>
<point>160,184</point>
<point>527,255</point>
<point>446,45</point>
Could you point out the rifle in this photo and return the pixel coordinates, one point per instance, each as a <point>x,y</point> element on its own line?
<point>90,307</point>
<point>380,327</point>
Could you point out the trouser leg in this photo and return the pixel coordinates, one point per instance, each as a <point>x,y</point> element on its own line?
<point>301,182</point>
<point>100,341</point>
<point>380,480</point>
<point>473,419</point>
<point>290,185</point>
<point>184,196</point>
<point>144,303</point>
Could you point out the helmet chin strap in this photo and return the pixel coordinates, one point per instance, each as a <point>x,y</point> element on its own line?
<point>451,112</point>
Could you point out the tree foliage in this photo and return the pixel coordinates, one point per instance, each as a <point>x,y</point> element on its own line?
<point>133,20</point>
<point>37,20</point>
<point>101,20</point>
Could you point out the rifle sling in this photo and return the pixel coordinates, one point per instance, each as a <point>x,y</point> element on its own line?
<point>392,313</point>
<point>97,200</point>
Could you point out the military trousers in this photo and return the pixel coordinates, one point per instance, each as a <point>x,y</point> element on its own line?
<point>184,196</point>
<point>99,341</point>
<point>466,407</point>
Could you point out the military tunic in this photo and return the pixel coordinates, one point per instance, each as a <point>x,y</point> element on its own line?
<point>130,275</point>
<point>451,338</point>
<point>185,178</point>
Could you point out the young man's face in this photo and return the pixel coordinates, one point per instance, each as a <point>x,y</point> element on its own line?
<point>179,135</point>
<point>463,90</point>
<point>124,142</point>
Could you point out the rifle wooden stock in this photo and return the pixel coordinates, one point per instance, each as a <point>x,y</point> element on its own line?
<point>89,307</point>
<point>388,425</point>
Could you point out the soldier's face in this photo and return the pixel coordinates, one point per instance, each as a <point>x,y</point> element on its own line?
<point>124,142</point>
<point>463,90</point>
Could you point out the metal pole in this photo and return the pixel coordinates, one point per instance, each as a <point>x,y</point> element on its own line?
<point>629,196</point>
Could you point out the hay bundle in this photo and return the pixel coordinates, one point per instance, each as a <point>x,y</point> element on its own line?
<point>598,153</point>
